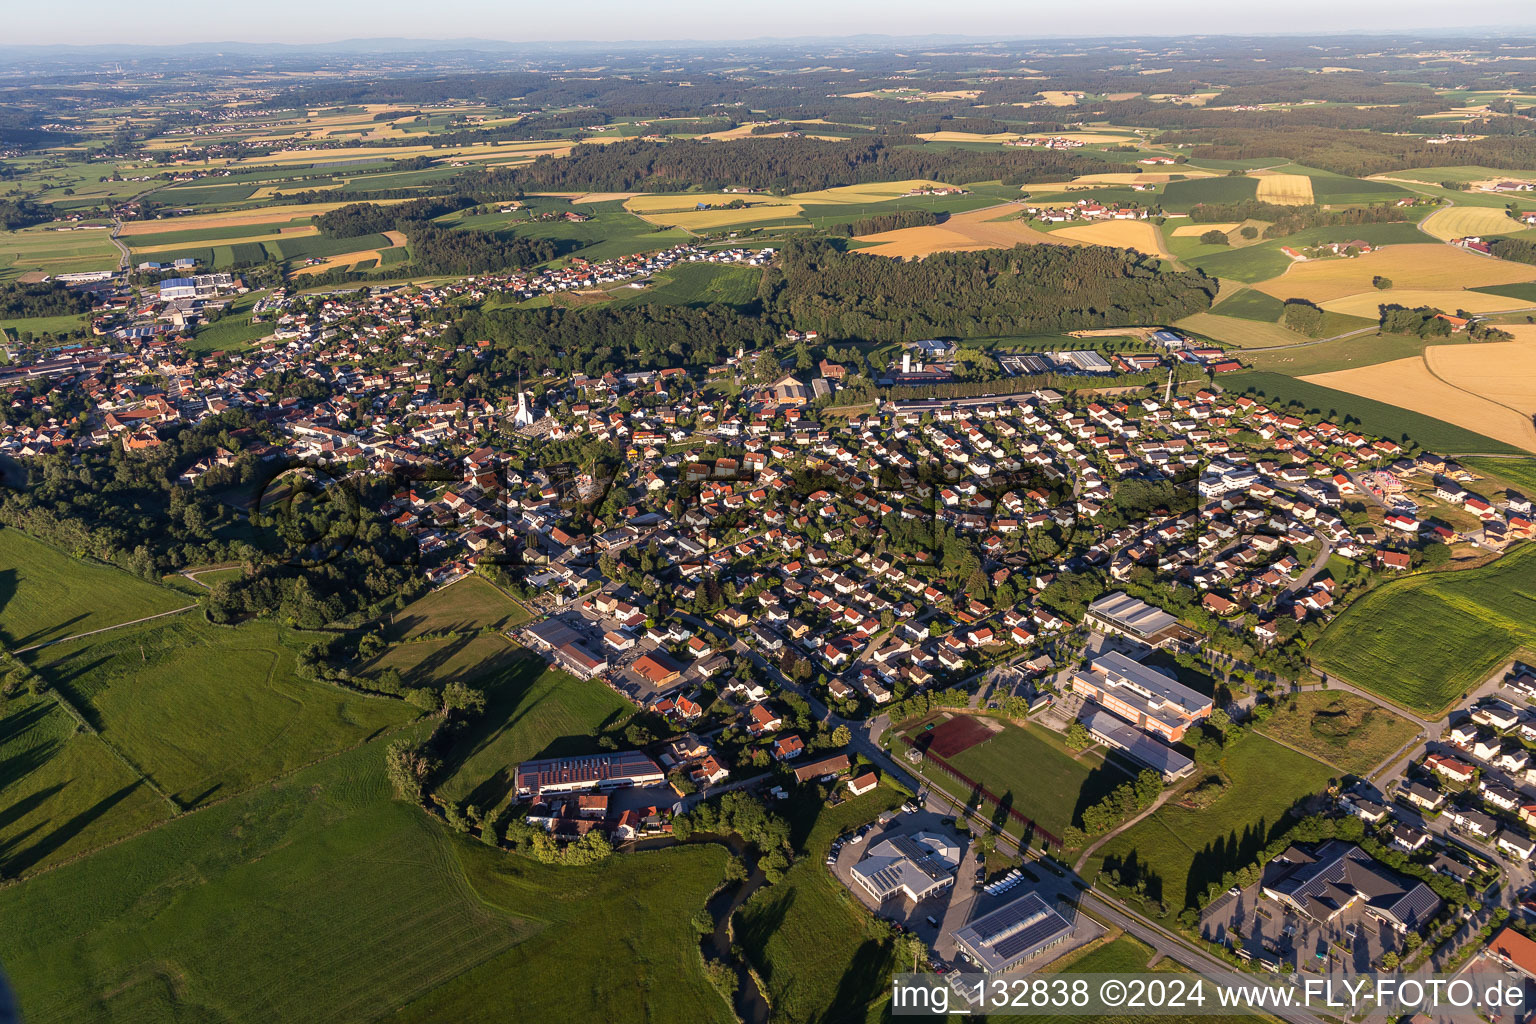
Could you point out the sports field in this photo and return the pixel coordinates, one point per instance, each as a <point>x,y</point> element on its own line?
<point>351,906</point>
<point>1030,771</point>
<point>207,711</point>
<point>46,594</point>
<point>1411,384</point>
<point>1342,729</point>
<point>1409,267</point>
<point>1425,640</point>
<point>1182,849</point>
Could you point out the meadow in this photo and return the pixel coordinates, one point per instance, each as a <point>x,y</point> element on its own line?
<point>63,790</point>
<point>1181,849</point>
<point>1341,729</point>
<point>205,711</point>
<point>470,604</point>
<point>47,595</point>
<point>813,944</point>
<point>531,711</point>
<point>1377,417</point>
<point>695,284</point>
<point>352,906</point>
<point>1517,473</point>
<point>1424,641</point>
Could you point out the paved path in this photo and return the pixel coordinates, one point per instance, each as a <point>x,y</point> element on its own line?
<point>1082,859</point>
<point>104,629</point>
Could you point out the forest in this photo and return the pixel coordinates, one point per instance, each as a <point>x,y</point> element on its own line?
<point>781,165</point>
<point>50,299</point>
<point>1287,220</point>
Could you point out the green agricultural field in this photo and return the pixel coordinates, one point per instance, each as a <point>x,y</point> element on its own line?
<point>1517,473</point>
<point>1425,640</point>
<point>1374,417</point>
<point>816,948</point>
<point>1249,264</point>
<point>470,604</point>
<point>352,906</point>
<point>55,252</point>
<point>471,660</point>
<point>1029,769</point>
<point>697,284</point>
<point>1180,850</point>
<point>1181,195</point>
<point>531,711</point>
<point>1525,291</point>
<point>37,326</point>
<point>206,711</point>
<point>234,331</point>
<point>47,595</point>
<point>1342,729</point>
<point>63,790</point>
<point>1249,304</point>
<point>1345,353</point>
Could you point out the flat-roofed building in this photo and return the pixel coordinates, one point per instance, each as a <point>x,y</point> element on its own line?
<point>592,771</point>
<point>1119,612</point>
<point>1015,932</point>
<point>1140,747</point>
<point>915,866</point>
<point>1147,698</point>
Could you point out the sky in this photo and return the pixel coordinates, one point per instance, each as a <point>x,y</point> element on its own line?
<point>301,21</point>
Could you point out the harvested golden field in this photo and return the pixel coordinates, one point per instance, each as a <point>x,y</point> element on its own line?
<point>1426,266</point>
<point>602,197</point>
<point>274,191</point>
<point>1502,372</point>
<point>479,152</point>
<point>968,137</point>
<point>298,231</point>
<point>236,218</point>
<point>1461,221</point>
<point>661,203</point>
<point>873,192</point>
<point>994,227</point>
<point>1196,230</point>
<point>1057,98</point>
<point>1123,234</point>
<point>1368,304</point>
<point>1410,384</point>
<point>1285,189</point>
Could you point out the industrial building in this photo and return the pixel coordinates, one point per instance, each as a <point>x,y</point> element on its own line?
<point>1013,933</point>
<point>1132,617</point>
<point>593,771</point>
<point>915,866</point>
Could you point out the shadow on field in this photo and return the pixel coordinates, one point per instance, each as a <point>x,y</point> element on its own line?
<point>40,850</point>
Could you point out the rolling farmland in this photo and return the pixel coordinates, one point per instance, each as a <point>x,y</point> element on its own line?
<point>1425,640</point>
<point>1408,267</point>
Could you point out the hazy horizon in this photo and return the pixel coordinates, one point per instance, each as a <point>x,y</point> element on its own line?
<point>100,22</point>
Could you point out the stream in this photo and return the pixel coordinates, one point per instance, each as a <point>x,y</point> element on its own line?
<point>750,1005</point>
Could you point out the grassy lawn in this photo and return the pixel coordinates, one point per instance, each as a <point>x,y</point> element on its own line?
<point>351,905</point>
<point>1423,641</point>
<point>531,711</point>
<point>38,326</point>
<point>207,711</point>
<point>62,790</point>
<point>813,944</point>
<point>1342,729</point>
<point>472,660</point>
<point>470,604</point>
<point>1180,849</point>
<point>696,284</point>
<point>46,594</point>
<point>1029,769</point>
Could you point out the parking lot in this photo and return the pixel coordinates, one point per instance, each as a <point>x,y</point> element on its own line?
<point>937,918</point>
<point>1353,941</point>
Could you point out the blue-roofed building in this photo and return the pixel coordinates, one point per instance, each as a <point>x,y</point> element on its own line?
<point>178,288</point>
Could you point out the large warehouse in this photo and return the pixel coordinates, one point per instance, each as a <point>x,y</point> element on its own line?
<point>1013,933</point>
